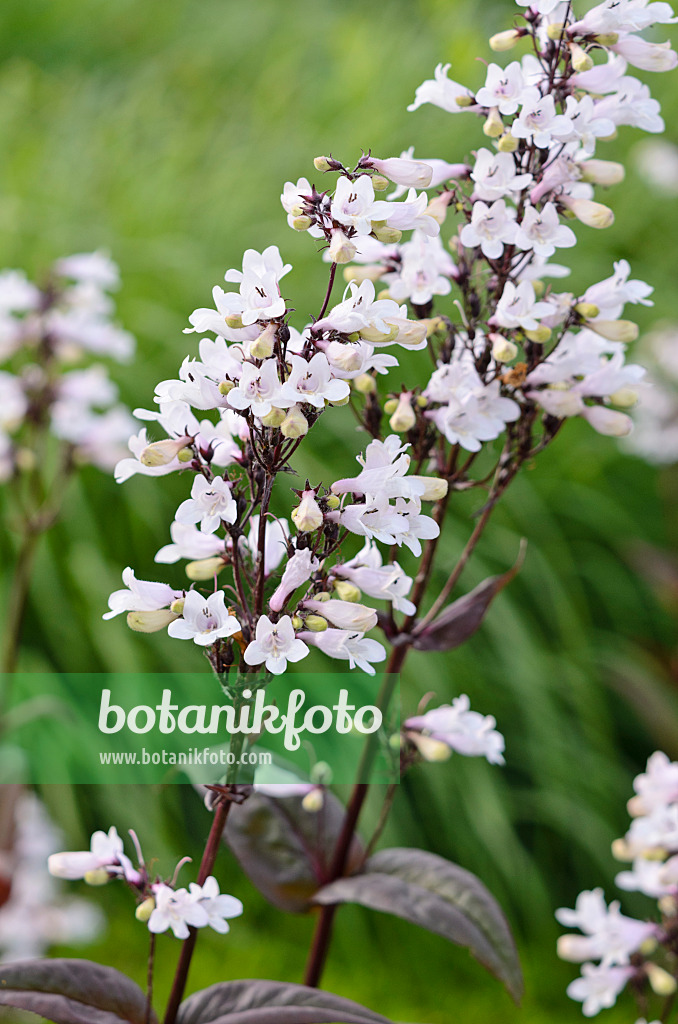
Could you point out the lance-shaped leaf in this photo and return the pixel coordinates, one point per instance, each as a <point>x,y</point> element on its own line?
<point>285,850</point>
<point>462,618</point>
<point>440,896</point>
<point>272,1002</point>
<point>73,992</point>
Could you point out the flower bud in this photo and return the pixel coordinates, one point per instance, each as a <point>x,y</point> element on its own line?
<point>494,126</point>
<point>594,215</point>
<point>346,591</point>
<point>434,487</point>
<point>555,30</point>
<point>621,850</point>
<point>421,402</point>
<point>307,515</point>
<point>429,748</point>
<point>411,173</point>
<point>625,398</point>
<point>580,58</point>
<point>412,334</point>
<point>648,946</point>
<point>505,40</point>
<point>313,801</point>
<point>262,347</point>
<point>145,909</point>
<point>302,222</point>
<point>615,330</point>
<point>323,163</point>
<point>383,233</point>
<point>668,906</point>
<point>539,288</point>
<point>464,100</point>
<point>369,272</point>
<point>332,502</point>
<point>602,172</point>
<point>297,622</point>
<point>365,384</point>
<point>233,320</point>
<point>150,621</point>
<point>161,453</point>
<point>390,406</point>
<point>295,423</point>
<point>316,623</point>
<point>503,350</point>
<point>177,606</point>
<point>661,982</point>
<point>342,249</point>
<point>587,309</point>
<point>540,335</point>
<point>608,421</point>
<point>98,876</point>
<point>507,143</point>
<point>204,568</point>
<point>380,183</point>
<point>274,418</point>
<point>185,455</point>
<point>607,38</point>
<point>225,387</point>
<point>403,418</point>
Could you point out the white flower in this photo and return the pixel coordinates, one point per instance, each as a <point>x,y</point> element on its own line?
<point>218,906</point>
<point>491,228</point>
<point>176,909</point>
<point>443,92</point>
<point>425,270</point>
<point>542,231</point>
<point>384,464</point>
<point>140,596</point>
<point>612,294</point>
<point>275,542</point>
<point>344,614</point>
<point>259,280</point>
<point>354,205</point>
<point>543,7</point>
<point>258,389</point>
<point>645,55</point>
<point>598,987</point>
<point>13,401</point>
<point>650,877</point>
<point>189,542</point>
<point>106,851</point>
<point>311,382</point>
<point>632,105</point>
<point>95,268</point>
<point>656,787</point>
<point>609,936</point>
<point>538,120</point>
<point>503,88</point>
<point>383,582</point>
<point>586,123</point>
<point>495,176</point>
<point>441,171</point>
<point>210,504</point>
<point>359,651</point>
<point>411,214</point>
<point>462,730</point>
<point>274,645</point>
<point>402,171</point>
<point>623,16</point>
<point>518,307</point>
<point>298,570</point>
<point>205,619</point>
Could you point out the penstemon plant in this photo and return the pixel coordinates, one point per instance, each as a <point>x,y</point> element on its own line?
<point>501,369</point>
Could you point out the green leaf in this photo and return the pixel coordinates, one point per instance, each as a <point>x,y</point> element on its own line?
<point>73,992</point>
<point>284,850</point>
<point>437,895</point>
<point>272,1002</point>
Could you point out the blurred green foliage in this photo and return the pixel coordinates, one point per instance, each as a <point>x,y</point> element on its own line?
<point>164,132</point>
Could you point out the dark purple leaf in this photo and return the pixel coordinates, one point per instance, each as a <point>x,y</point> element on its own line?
<point>73,992</point>
<point>272,1002</point>
<point>285,850</point>
<point>462,618</point>
<point>437,895</point>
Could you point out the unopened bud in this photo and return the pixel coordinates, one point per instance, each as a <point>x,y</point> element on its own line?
<point>274,418</point>
<point>150,621</point>
<point>342,249</point>
<point>295,423</point>
<point>421,401</point>
<point>503,349</point>
<point>607,38</point>
<point>539,288</point>
<point>615,330</point>
<point>322,163</point>
<point>668,906</point>
<point>507,143</point>
<point>625,398</point>
<point>226,387</point>
<point>494,126</point>
<point>594,215</point>
<point>233,320</point>
<point>145,909</point>
<point>661,982</point>
<point>347,591</point>
<point>602,172</point>
<point>332,502</point>
<point>204,568</point>
<point>540,335</point>
<point>262,347</point>
<point>313,801</point>
<point>307,515</point>
<point>98,876</point>
<point>316,623</point>
<point>185,455</point>
<point>464,100</point>
<point>297,622</point>
<point>429,748</point>
<point>177,607</point>
<point>161,453</point>
<point>390,406</point>
<point>383,233</point>
<point>505,40</point>
<point>648,946</point>
<point>587,309</point>
<point>580,58</point>
<point>621,850</point>
<point>380,183</point>
<point>301,223</point>
<point>365,384</point>
<point>403,418</point>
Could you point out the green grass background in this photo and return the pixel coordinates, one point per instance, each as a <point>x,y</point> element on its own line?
<point>164,132</point>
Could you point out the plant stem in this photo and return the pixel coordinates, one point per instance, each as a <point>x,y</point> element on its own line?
<point>18,597</point>
<point>206,865</point>
<point>149,980</point>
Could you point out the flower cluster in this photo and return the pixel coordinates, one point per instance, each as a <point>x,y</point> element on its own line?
<point>160,903</point>
<point>622,945</point>
<point>43,332</point>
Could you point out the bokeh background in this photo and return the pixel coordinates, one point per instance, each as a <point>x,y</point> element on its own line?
<point>164,132</point>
